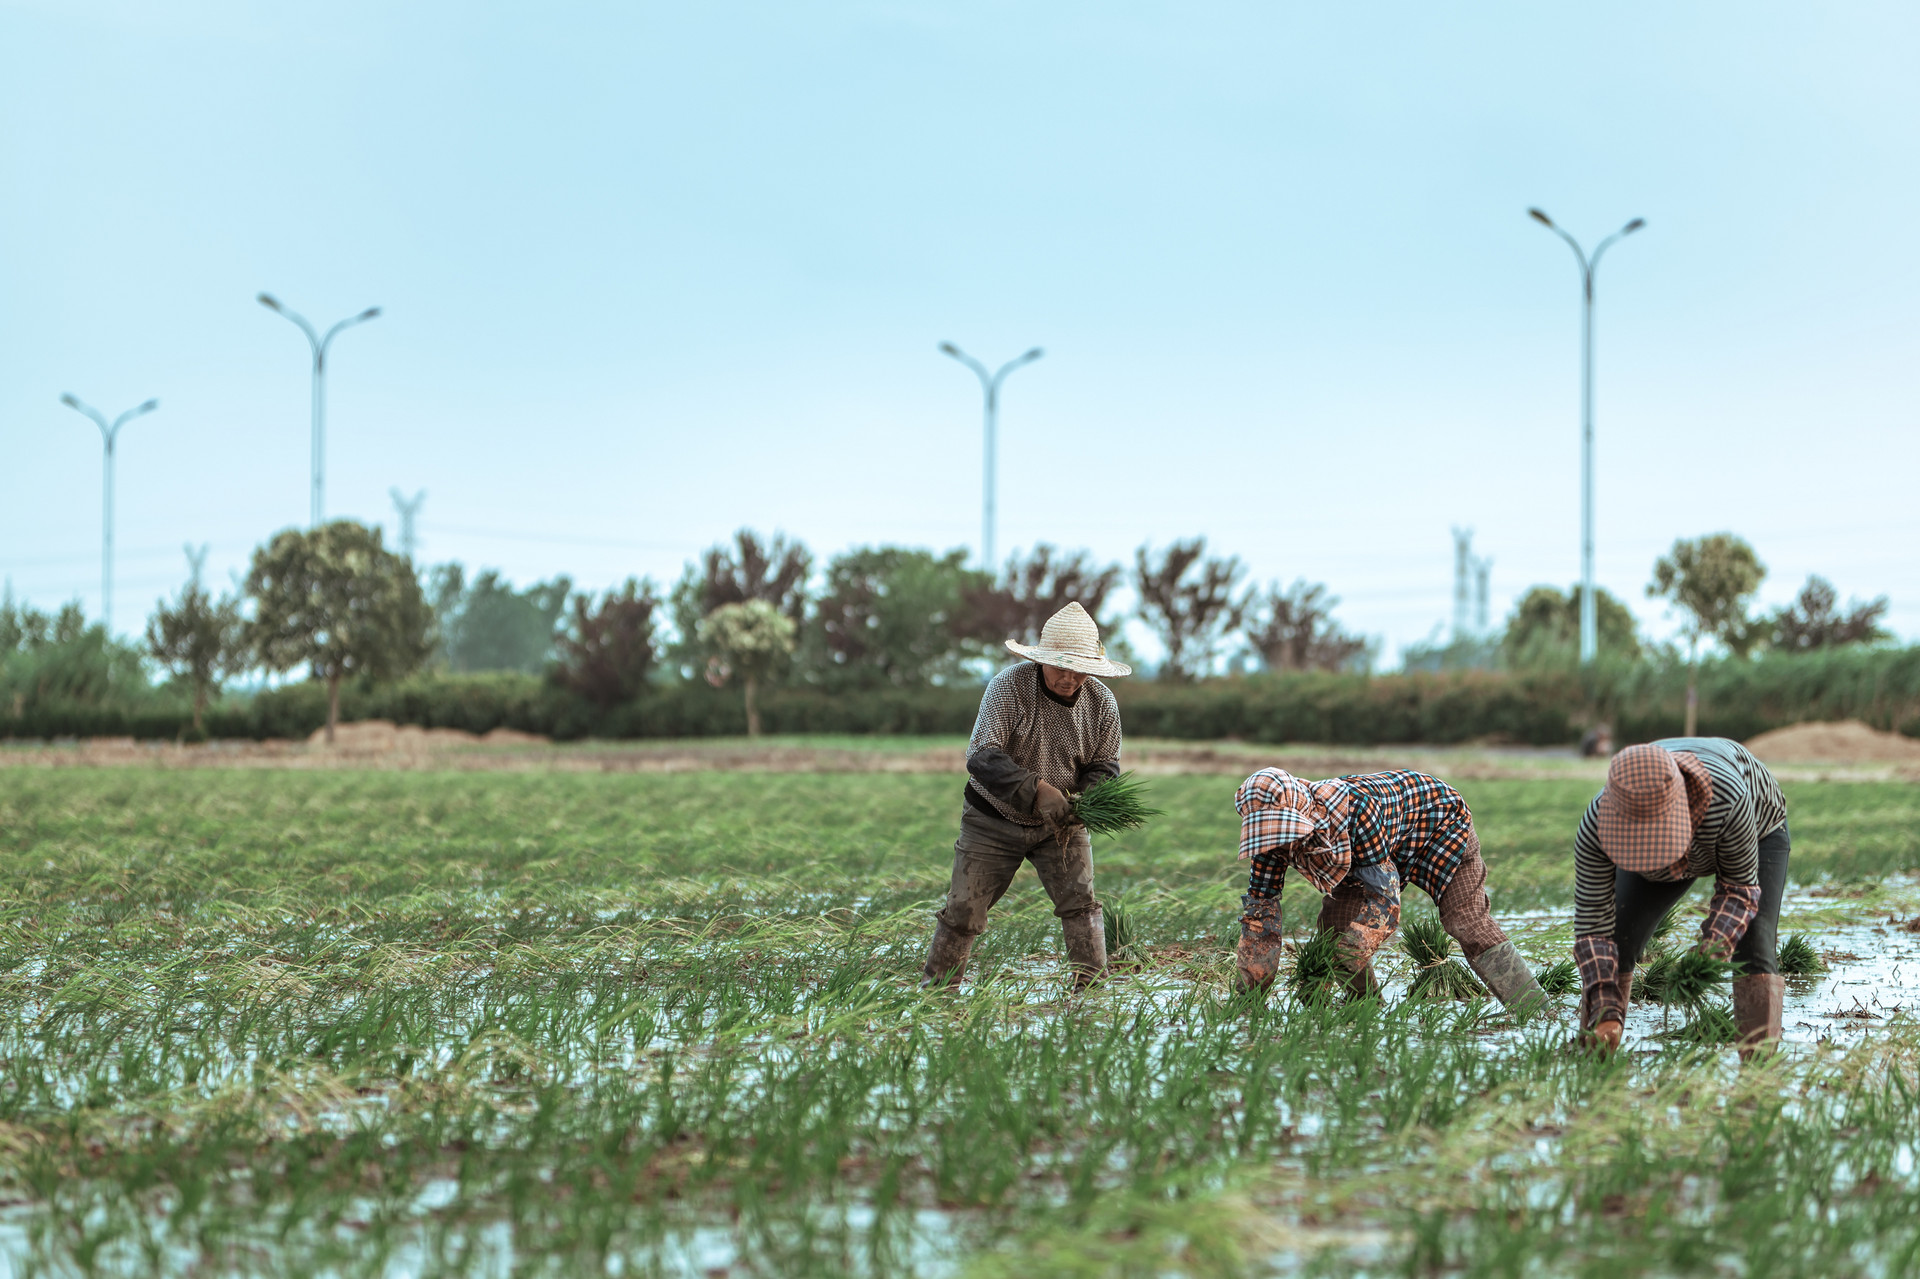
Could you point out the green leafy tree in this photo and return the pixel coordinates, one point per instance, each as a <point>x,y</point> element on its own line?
<point>486,625</point>
<point>752,639</point>
<point>1545,627</point>
<point>607,654</point>
<point>61,660</point>
<point>1711,581</point>
<point>1190,603</point>
<point>335,599</point>
<point>199,640</point>
<point>774,570</point>
<point>1815,620</point>
<point>889,615</point>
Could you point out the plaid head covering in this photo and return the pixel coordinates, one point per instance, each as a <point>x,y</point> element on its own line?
<point>1654,800</point>
<point>1306,822</point>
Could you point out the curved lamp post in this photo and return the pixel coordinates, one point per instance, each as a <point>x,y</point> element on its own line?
<point>1589,614</point>
<point>109,434</point>
<point>320,345</point>
<point>990,387</point>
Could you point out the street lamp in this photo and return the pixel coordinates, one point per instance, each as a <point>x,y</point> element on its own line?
<point>1589,614</point>
<point>990,386</point>
<point>320,345</point>
<point>109,434</point>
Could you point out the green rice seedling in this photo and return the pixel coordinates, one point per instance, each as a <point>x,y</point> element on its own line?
<point>1561,977</point>
<point>557,1022</point>
<point>1711,1023</point>
<point>1123,941</point>
<point>1798,958</point>
<point>1437,976</point>
<point>1317,975</point>
<point>1683,979</point>
<point>1116,804</point>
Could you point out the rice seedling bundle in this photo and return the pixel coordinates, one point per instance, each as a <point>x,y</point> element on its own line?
<point>1438,976</point>
<point>1562,977</point>
<point>1318,976</point>
<point>1798,958</point>
<point>1109,807</point>
<point>1682,978</point>
<point>1710,1024</point>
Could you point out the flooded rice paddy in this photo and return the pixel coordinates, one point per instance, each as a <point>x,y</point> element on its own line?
<point>421,1024</point>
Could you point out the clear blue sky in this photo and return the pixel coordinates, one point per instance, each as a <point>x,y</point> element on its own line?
<point>652,272</point>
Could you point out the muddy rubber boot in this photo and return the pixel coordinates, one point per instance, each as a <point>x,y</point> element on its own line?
<point>1257,957</point>
<point>1086,946</point>
<point>1757,1000</point>
<point>1511,981</point>
<point>946,958</point>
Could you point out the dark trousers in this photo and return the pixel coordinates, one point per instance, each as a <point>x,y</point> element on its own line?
<point>987,856</point>
<point>1639,903</point>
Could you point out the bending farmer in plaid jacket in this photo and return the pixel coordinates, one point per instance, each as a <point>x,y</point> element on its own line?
<point>1046,728</point>
<point>1674,811</point>
<point>1358,839</point>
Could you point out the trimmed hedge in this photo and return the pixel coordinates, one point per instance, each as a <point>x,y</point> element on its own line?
<point>1540,708</point>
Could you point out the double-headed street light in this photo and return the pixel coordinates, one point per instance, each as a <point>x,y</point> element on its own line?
<point>320,345</point>
<point>109,433</point>
<point>1589,614</point>
<point>990,386</point>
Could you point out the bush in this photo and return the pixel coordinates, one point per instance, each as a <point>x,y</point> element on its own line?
<point>1537,707</point>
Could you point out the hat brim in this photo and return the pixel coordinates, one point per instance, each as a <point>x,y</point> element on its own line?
<point>1644,845</point>
<point>1070,661</point>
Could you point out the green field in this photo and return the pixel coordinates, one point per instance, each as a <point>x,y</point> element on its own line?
<point>373,1023</point>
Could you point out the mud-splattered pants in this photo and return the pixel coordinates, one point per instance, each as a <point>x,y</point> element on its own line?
<point>1367,913</point>
<point>988,855</point>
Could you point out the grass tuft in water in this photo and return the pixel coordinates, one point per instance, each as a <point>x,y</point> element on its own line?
<point>1438,976</point>
<point>1798,958</point>
<point>1115,805</point>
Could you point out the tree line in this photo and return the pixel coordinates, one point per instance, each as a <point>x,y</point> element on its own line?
<point>337,603</point>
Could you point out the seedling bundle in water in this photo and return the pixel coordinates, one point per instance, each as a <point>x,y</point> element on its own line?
<point>1439,977</point>
<point>1109,807</point>
<point>1318,976</point>
<point>1560,978</point>
<point>1798,958</point>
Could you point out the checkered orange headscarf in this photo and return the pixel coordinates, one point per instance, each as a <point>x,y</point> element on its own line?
<point>1653,801</point>
<point>1305,822</point>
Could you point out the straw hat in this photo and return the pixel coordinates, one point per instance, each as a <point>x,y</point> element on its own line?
<point>1071,641</point>
<point>1646,823</point>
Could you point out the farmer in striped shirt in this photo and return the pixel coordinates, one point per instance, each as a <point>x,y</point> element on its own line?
<point>1357,840</point>
<point>1046,727</point>
<point>1674,811</point>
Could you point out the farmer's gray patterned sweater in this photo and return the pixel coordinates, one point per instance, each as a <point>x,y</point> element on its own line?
<point>1027,733</point>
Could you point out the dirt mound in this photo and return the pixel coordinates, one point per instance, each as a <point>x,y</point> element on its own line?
<point>380,737</point>
<point>1846,742</point>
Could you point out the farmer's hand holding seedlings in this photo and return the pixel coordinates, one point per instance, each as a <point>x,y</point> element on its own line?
<point>1357,840</point>
<point>1048,733</point>
<point>1672,812</point>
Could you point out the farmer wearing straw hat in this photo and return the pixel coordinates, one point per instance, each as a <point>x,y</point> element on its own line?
<point>1046,727</point>
<point>1672,812</point>
<point>1357,839</point>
